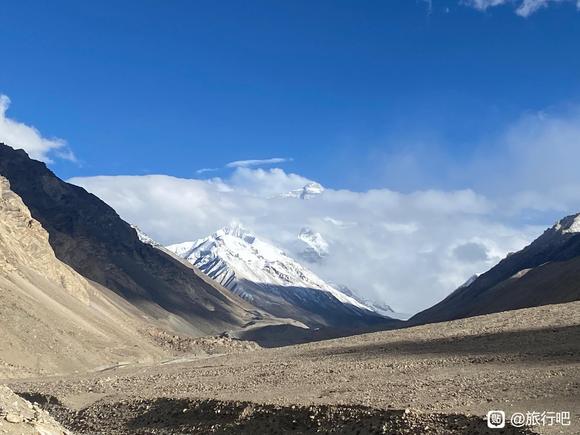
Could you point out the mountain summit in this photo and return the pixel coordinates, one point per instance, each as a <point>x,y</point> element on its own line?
<point>314,247</point>
<point>309,191</point>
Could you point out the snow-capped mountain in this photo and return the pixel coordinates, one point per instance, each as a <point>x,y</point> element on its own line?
<point>233,254</point>
<point>271,280</point>
<point>313,248</point>
<point>309,191</point>
<point>379,307</point>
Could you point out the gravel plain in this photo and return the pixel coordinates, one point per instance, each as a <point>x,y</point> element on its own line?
<point>439,378</point>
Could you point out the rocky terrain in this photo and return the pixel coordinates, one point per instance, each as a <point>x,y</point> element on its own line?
<point>186,416</point>
<point>55,321</point>
<point>439,378</point>
<point>20,417</point>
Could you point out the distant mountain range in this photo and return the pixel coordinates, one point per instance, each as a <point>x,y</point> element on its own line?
<point>168,292</point>
<point>69,263</point>
<point>271,280</point>
<point>381,308</point>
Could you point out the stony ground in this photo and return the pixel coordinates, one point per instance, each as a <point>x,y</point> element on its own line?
<point>439,378</point>
<point>187,416</point>
<point>20,417</point>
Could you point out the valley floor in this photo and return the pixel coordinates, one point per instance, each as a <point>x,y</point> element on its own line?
<point>438,378</point>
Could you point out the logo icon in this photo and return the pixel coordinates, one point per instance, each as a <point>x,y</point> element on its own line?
<point>518,419</point>
<point>496,419</point>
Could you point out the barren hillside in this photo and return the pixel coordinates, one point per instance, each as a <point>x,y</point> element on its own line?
<point>89,236</point>
<point>52,319</point>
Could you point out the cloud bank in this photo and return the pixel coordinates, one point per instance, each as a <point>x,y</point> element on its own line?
<point>406,249</point>
<point>28,138</point>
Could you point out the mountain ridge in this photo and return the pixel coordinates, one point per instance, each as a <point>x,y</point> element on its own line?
<point>544,272</point>
<point>89,236</point>
<point>271,280</point>
<point>52,319</point>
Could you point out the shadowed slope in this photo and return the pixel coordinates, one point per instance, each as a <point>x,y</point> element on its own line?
<point>52,320</point>
<point>88,235</point>
<point>545,272</point>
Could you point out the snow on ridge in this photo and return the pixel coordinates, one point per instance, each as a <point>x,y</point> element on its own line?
<point>378,307</point>
<point>469,281</point>
<point>233,254</point>
<point>575,226</point>
<point>568,225</point>
<point>143,237</point>
<point>181,249</point>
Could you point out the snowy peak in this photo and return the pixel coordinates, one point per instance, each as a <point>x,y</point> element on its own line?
<point>235,230</point>
<point>568,225</point>
<point>211,244</point>
<point>316,247</point>
<point>309,191</point>
<point>234,257</point>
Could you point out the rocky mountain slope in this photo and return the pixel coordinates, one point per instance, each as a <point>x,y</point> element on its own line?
<point>545,272</point>
<point>52,320</point>
<point>269,279</point>
<point>88,235</point>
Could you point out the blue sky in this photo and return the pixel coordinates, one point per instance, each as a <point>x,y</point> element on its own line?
<point>446,133</point>
<point>340,87</point>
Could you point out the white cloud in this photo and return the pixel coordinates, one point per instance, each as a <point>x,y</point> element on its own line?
<point>22,136</point>
<point>206,170</point>
<point>483,5</point>
<point>408,249</point>
<point>529,168</point>
<point>257,162</point>
<point>524,8</point>
<point>265,182</point>
<point>401,248</point>
<point>535,167</point>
